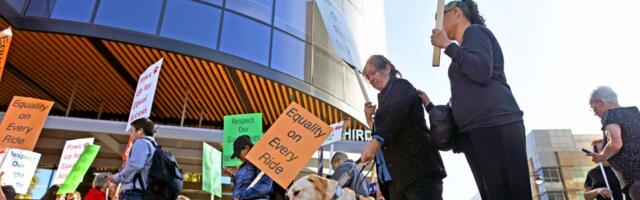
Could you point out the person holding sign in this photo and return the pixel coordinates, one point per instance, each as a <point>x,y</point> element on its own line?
<point>139,160</point>
<point>483,106</point>
<point>400,131</point>
<point>247,172</point>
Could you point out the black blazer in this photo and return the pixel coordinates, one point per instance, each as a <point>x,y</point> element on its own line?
<point>401,126</point>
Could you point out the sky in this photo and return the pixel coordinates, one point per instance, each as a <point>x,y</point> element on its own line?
<point>556,53</point>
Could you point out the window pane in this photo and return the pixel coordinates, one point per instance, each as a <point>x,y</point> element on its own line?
<point>259,9</point>
<point>137,15</point>
<point>191,21</point>
<point>216,2</point>
<point>245,38</point>
<point>288,54</point>
<point>291,16</point>
<point>73,10</point>
<point>328,73</point>
<point>39,8</point>
<point>17,4</point>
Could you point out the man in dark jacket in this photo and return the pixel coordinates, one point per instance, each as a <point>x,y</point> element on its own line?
<point>348,175</point>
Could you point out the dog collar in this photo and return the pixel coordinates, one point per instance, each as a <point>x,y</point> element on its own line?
<point>338,193</point>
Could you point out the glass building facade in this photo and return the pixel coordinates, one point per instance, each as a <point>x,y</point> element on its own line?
<point>285,35</point>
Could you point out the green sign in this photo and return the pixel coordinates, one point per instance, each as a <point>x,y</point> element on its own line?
<point>211,170</point>
<point>79,169</point>
<point>235,126</point>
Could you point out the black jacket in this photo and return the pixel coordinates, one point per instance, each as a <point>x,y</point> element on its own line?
<point>480,95</point>
<point>400,123</point>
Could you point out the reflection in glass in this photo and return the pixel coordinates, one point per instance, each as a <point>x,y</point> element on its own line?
<point>191,21</point>
<point>245,38</point>
<point>291,16</point>
<point>73,10</point>
<point>288,54</point>
<point>137,15</point>
<point>259,9</point>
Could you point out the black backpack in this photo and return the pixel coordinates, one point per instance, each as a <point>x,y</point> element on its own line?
<point>165,176</point>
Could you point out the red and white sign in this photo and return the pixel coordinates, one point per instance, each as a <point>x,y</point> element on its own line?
<point>143,99</point>
<point>70,154</point>
<point>146,89</point>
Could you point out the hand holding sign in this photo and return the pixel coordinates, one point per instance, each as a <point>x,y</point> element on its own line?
<point>288,145</point>
<point>439,24</point>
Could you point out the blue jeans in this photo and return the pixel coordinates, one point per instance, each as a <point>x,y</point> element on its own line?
<point>131,195</point>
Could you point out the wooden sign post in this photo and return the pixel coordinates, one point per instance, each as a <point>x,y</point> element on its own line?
<point>439,24</point>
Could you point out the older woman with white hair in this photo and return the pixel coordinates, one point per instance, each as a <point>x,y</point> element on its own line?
<point>621,126</point>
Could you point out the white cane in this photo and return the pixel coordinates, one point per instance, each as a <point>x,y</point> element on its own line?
<point>606,180</point>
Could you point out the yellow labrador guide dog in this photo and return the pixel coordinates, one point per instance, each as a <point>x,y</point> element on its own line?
<point>314,187</point>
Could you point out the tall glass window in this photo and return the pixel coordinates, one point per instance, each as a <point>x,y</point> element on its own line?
<point>137,15</point>
<point>259,9</point>
<point>291,16</point>
<point>73,10</point>
<point>191,21</point>
<point>245,38</point>
<point>328,73</point>
<point>288,54</point>
<point>39,8</point>
<point>17,4</point>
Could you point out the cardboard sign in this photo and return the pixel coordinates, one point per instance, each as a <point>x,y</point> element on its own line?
<point>70,155</point>
<point>336,134</point>
<point>234,127</point>
<point>288,145</point>
<point>23,122</point>
<point>5,42</point>
<point>143,98</point>
<point>339,33</point>
<point>18,167</point>
<point>211,170</point>
<point>79,169</point>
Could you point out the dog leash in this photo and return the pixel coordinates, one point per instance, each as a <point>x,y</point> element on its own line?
<point>342,181</point>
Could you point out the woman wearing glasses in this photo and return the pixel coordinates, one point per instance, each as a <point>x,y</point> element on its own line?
<point>484,109</point>
<point>409,166</point>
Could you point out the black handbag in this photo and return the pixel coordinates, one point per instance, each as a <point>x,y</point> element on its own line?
<point>443,129</point>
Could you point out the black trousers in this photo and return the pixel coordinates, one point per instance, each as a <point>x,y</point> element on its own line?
<point>498,160</point>
<point>428,188</point>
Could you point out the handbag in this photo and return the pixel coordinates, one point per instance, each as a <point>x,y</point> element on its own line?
<point>444,131</point>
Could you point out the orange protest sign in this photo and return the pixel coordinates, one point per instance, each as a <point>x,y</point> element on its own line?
<point>288,145</point>
<point>5,42</point>
<point>23,122</point>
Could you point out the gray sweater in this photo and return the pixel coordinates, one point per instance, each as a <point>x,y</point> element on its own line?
<point>480,95</point>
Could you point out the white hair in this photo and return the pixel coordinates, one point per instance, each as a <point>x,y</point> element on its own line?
<point>604,94</point>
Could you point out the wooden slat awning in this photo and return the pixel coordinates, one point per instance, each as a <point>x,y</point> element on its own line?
<point>103,74</point>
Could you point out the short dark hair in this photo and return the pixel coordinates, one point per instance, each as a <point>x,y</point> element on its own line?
<point>339,156</point>
<point>147,126</point>
<point>9,192</point>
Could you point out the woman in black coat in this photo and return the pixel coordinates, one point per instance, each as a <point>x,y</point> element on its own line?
<point>400,132</point>
<point>484,109</point>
